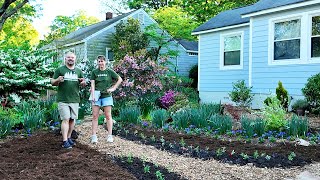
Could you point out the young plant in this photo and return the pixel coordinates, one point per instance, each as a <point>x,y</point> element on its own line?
<point>272,139</point>
<point>274,114</point>
<point>255,154</point>
<point>153,138</point>
<point>130,115</point>
<point>182,142</point>
<point>221,151</point>
<point>130,158</point>
<point>159,117</point>
<point>159,175</point>
<point>241,94</point>
<point>146,169</point>
<point>282,95</point>
<point>268,157</point>
<point>244,156</point>
<point>291,156</point>
<point>162,140</point>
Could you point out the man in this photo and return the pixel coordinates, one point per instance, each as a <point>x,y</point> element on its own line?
<point>68,78</point>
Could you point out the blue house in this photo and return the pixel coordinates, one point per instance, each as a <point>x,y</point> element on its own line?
<point>264,43</point>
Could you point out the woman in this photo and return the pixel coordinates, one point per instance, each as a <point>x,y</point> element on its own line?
<point>101,80</point>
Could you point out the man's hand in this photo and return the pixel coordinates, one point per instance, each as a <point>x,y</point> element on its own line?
<point>56,82</point>
<point>110,90</point>
<point>82,82</point>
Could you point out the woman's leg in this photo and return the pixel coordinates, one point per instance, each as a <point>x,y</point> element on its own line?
<point>95,116</point>
<point>107,113</point>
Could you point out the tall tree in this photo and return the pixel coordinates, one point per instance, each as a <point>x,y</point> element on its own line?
<point>10,7</point>
<point>63,25</point>
<point>178,23</point>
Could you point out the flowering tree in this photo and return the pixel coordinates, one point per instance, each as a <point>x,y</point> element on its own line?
<point>140,75</point>
<point>24,73</point>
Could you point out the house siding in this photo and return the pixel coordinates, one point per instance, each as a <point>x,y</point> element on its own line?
<point>215,83</point>
<point>185,62</point>
<point>265,77</point>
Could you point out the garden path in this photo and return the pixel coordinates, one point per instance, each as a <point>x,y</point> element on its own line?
<point>187,167</point>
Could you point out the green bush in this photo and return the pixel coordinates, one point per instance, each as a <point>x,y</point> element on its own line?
<point>33,119</point>
<point>253,126</point>
<point>101,119</point>
<point>181,119</point>
<point>221,123</point>
<point>5,126</point>
<point>159,117</point>
<point>282,95</point>
<point>300,104</point>
<point>199,117</point>
<point>11,114</point>
<point>312,92</point>
<point>130,115</point>
<point>181,101</point>
<point>193,74</point>
<point>298,126</point>
<point>241,94</point>
<point>274,114</point>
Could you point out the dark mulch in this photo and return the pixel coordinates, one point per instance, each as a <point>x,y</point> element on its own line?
<point>208,146</point>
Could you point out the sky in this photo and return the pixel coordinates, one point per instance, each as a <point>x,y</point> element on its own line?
<point>53,8</point>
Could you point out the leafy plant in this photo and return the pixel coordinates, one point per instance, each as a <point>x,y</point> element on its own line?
<point>130,115</point>
<point>274,114</point>
<point>182,142</point>
<point>298,126</point>
<point>5,126</point>
<point>311,91</point>
<point>181,119</point>
<point>159,175</point>
<point>101,119</point>
<point>181,102</point>
<point>282,95</point>
<point>221,123</point>
<point>255,154</point>
<point>244,156</point>
<point>241,94</point>
<point>252,126</point>
<point>146,169</point>
<point>291,156</point>
<point>300,104</point>
<point>199,117</point>
<point>159,117</point>
<point>130,158</point>
<point>220,151</point>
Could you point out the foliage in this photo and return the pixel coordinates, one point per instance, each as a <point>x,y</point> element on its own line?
<point>253,126</point>
<point>274,114</point>
<point>193,74</point>
<point>311,91</point>
<point>147,104</point>
<point>298,126</point>
<point>167,99</point>
<point>24,73</point>
<point>282,95</point>
<point>176,22</point>
<point>5,126</point>
<point>241,94</point>
<point>181,119</point>
<point>63,25</point>
<point>128,39</point>
<point>181,101</point>
<point>300,104</point>
<point>159,117</point>
<point>140,76</point>
<point>130,115</point>
<point>199,117</point>
<point>33,119</point>
<point>221,123</point>
<point>10,114</point>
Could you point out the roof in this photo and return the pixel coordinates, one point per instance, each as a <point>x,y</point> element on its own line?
<point>189,45</point>
<point>87,31</point>
<point>233,17</point>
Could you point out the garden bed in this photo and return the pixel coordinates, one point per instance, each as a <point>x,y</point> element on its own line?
<point>40,156</point>
<point>279,154</point>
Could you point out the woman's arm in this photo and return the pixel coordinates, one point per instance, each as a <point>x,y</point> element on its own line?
<point>116,85</point>
<point>93,89</point>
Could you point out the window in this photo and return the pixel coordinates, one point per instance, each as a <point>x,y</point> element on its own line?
<point>141,18</point>
<point>109,54</point>
<point>315,37</point>
<point>231,52</point>
<point>287,36</point>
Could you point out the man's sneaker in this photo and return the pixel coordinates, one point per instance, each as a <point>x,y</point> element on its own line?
<point>72,143</point>
<point>94,139</point>
<point>66,145</point>
<point>109,138</point>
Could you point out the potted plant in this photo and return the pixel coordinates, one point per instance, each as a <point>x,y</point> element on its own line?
<point>299,106</point>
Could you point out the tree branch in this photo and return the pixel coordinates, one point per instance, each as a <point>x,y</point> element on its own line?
<point>5,13</point>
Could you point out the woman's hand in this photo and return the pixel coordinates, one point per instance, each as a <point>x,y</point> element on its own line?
<point>110,90</point>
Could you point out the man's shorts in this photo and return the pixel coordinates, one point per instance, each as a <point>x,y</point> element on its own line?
<point>68,110</point>
<point>102,102</point>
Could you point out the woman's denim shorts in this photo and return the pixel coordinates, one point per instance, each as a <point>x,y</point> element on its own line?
<point>102,102</point>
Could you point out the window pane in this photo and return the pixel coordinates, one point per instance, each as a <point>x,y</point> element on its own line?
<point>232,58</point>
<point>287,29</point>
<point>315,47</point>
<point>232,43</point>
<point>110,55</point>
<point>315,25</point>
<point>289,49</point>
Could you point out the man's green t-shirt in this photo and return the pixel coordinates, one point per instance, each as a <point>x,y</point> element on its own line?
<point>103,80</point>
<point>68,90</point>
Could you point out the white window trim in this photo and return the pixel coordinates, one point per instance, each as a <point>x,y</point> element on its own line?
<point>230,67</point>
<point>305,39</point>
<point>311,59</point>
<point>107,53</point>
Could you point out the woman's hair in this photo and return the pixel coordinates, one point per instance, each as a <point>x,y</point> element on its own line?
<point>101,57</point>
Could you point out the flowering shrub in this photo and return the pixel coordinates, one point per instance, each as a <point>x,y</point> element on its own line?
<point>167,99</point>
<point>140,74</point>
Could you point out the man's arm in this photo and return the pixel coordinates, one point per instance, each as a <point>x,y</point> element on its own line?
<point>55,82</point>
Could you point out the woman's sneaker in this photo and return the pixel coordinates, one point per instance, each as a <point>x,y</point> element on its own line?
<point>72,143</point>
<point>94,139</point>
<point>109,138</point>
<point>66,145</point>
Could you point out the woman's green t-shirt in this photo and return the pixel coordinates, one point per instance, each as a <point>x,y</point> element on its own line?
<point>103,80</point>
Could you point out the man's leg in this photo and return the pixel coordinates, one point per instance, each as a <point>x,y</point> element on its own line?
<point>71,127</point>
<point>65,129</point>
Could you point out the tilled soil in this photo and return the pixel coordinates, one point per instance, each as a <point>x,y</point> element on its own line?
<point>40,156</point>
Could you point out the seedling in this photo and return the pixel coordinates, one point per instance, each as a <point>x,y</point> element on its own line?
<point>255,154</point>
<point>244,156</point>
<point>171,145</point>
<point>182,143</point>
<point>159,175</point>
<point>142,136</point>
<point>146,169</point>
<point>220,151</point>
<point>232,152</point>
<point>162,141</point>
<point>153,138</point>
<point>291,156</point>
<point>129,158</point>
<point>268,157</point>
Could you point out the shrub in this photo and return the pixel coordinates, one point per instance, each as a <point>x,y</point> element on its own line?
<point>130,115</point>
<point>159,117</point>
<point>193,74</point>
<point>199,117</point>
<point>282,95</point>
<point>181,101</point>
<point>5,126</point>
<point>312,92</point>
<point>167,99</point>
<point>300,104</point>
<point>253,126</point>
<point>181,119</point>
<point>298,126</point>
<point>274,114</point>
<point>241,94</point>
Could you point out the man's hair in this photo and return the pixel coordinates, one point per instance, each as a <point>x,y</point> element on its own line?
<point>69,53</point>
